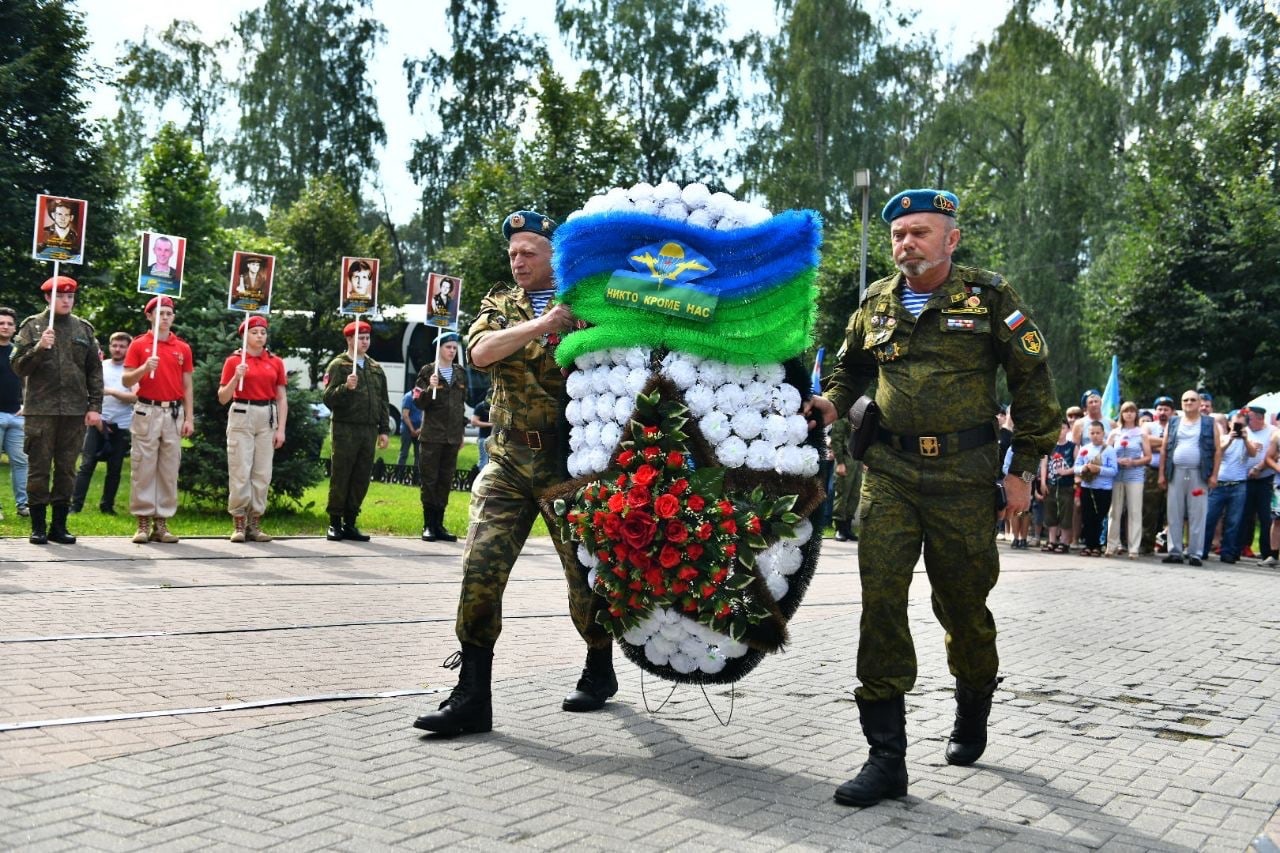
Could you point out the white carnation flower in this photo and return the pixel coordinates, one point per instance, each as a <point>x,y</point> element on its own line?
<point>674,210</point>
<point>623,408</point>
<point>667,191</point>
<point>757,395</point>
<point>577,437</point>
<point>586,557</point>
<point>597,460</point>
<point>797,429</point>
<point>648,206</point>
<point>790,460</point>
<point>600,379</point>
<point>574,465</point>
<point>653,655</point>
<point>573,412</point>
<point>732,452</point>
<point>591,577</point>
<point>595,204</point>
<point>637,378</point>
<point>644,189</point>
<point>675,632</point>
<point>693,647</point>
<point>702,218</point>
<point>810,467</point>
<point>715,427</point>
<point>592,434</point>
<point>661,644</point>
<point>696,195</point>
<point>712,662</point>
<point>638,358</point>
<point>682,663</point>
<point>775,429</point>
<point>635,636</point>
<point>587,408</point>
<point>604,407</point>
<point>722,202</point>
<point>728,223</point>
<point>711,373</point>
<point>610,435</point>
<point>584,362</point>
<point>729,398</point>
<point>730,647</point>
<point>786,399</point>
<point>578,384</point>
<point>752,214</point>
<point>770,373</point>
<point>761,455</point>
<point>767,560</point>
<point>748,423</point>
<point>789,559</point>
<point>618,380</point>
<point>700,399</point>
<point>682,373</point>
<point>617,200</point>
<point>740,373</point>
<point>778,586</point>
<point>803,530</point>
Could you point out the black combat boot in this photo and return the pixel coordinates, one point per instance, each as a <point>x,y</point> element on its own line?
<point>597,683</point>
<point>39,520</point>
<point>334,533</point>
<point>469,707</point>
<point>969,735</point>
<point>437,526</point>
<point>884,776</point>
<point>428,531</point>
<point>842,531</point>
<point>350,531</point>
<point>58,529</point>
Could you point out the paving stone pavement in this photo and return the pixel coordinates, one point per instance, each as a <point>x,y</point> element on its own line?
<point>1139,712</point>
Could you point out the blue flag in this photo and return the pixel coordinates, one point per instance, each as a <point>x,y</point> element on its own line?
<point>816,379</point>
<point>1111,394</point>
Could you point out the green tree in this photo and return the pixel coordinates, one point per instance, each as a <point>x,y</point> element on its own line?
<point>307,107</point>
<point>47,145</point>
<point>666,67</point>
<point>475,92</point>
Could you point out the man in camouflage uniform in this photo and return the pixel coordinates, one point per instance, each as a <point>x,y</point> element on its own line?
<point>62,366</point>
<point>513,338</point>
<point>848,479</point>
<point>933,337</point>
<point>356,393</point>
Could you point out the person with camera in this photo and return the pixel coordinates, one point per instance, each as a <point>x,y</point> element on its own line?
<point>1095,469</point>
<point>1189,470</point>
<point>1227,500</point>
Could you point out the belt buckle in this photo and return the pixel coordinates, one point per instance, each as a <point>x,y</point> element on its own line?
<point>533,438</point>
<point>929,445</point>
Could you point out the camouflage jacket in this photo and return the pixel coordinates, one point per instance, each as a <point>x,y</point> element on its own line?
<point>528,385</point>
<point>65,380</point>
<point>367,405</point>
<point>840,431</point>
<point>443,416</point>
<point>936,373</point>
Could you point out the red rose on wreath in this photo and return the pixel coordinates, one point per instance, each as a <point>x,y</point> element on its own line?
<point>639,497</point>
<point>625,457</point>
<point>694,551</point>
<point>730,526</point>
<point>704,531</point>
<point>666,506</point>
<point>641,560</point>
<point>676,532</point>
<point>650,431</point>
<point>638,528</point>
<point>668,556</point>
<point>726,508</point>
<point>617,502</point>
<point>652,452</point>
<point>679,487</point>
<point>644,475</point>
<point>612,524</point>
<point>675,459</point>
<point>697,503</point>
<point>686,573</point>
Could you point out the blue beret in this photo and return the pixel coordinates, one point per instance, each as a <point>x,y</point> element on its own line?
<point>528,220</point>
<point>449,336</point>
<point>1205,395</point>
<point>920,201</point>
<point>1164,401</point>
<point>1092,392</point>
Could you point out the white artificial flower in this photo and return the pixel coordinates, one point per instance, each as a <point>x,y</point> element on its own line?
<point>584,362</point>
<point>747,423</point>
<point>712,662</point>
<point>692,647</point>
<point>767,560</point>
<point>729,397</point>
<point>610,435</point>
<point>730,647</point>
<point>702,218</point>
<point>595,204</point>
<point>637,378</point>
<point>618,380</point>
<point>732,452</point>
<point>721,203</point>
<point>578,384</point>
<point>778,586</point>
<point>682,663</point>
<point>600,378</point>
<point>591,580</point>
<point>790,460</point>
<point>711,373</point>
<point>618,202</point>
<point>573,214</point>
<point>757,396</point>
<point>644,189</point>
<point>797,429</point>
<point>623,408</point>
<point>786,399</point>
<point>577,437</point>
<point>586,557</point>
<point>741,374</point>
<point>754,215</point>
<point>638,358</point>
<point>789,559</point>
<point>696,195</point>
<point>810,467</point>
<point>715,427</point>
<point>574,465</point>
<point>592,433</point>
<point>803,530</point>
<point>573,412</point>
<point>775,430</point>
<point>770,373</point>
<point>674,210</point>
<point>604,407</point>
<point>635,636</point>
<point>667,191</point>
<point>761,455</point>
<point>597,460</point>
<point>728,223</point>
<point>700,399</point>
<point>682,373</point>
<point>648,206</point>
<point>675,632</point>
<point>653,655</point>
<point>660,644</point>
<point>587,408</point>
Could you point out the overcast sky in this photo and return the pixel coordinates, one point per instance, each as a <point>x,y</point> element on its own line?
<point>416,26</point>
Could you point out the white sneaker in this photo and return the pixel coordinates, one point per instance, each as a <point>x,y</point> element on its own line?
<point>1270,562</point>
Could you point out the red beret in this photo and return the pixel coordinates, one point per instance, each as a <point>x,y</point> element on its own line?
<point>158,301</point>
<point>253,322</point>
<point>364,329</point>
<point>66,284</point>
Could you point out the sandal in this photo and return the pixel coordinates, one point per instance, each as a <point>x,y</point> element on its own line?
<point>1046,548</point>
<point>1060,548</point>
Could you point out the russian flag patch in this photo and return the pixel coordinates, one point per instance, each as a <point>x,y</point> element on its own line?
<point>1015,320</point>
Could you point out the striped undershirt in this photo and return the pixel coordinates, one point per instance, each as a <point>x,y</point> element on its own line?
<point>913,301</point>
<point>540,298</point>
<point>446,373</point>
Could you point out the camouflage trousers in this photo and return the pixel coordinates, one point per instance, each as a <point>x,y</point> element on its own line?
<point>436,466</point>
<point>52,441</point>
<point>845,507</point>
<point>503,508</point>
<point>945,505</point>
<point>354,446</point>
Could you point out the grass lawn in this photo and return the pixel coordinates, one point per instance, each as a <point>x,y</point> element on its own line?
<point>389,510</point>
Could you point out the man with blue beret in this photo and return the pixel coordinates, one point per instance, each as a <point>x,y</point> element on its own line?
<point>514,337</point>
<point>933,338</point>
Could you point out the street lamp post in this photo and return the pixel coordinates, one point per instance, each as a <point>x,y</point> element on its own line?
<point>862,179</point>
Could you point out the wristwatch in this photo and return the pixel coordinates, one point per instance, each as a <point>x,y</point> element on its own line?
<point>1028,477</point>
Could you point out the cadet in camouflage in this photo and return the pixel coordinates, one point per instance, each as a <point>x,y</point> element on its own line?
<point>513,337</point>
<point>356,394</point>
<point>62,368</point>
<point>848,480</point>
<point>933,338</point>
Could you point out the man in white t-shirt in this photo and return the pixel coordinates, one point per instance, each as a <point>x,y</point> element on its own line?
<point>1257,497</point>
<point>108,442</point>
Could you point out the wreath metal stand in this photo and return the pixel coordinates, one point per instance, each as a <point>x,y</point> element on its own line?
<point>723,721</point>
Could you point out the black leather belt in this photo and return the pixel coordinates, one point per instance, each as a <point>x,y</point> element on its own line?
<point>941,444</point>
<point>532,438</point>
<point>1231,482</point>
<point>253,402</point>
<point>164,404</point>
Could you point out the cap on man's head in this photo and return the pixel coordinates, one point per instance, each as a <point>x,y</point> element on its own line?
<point>66,284</point>
<point>528,220</point>
<point>1204,395</point>
<point>353,328</point>
<point>920,201</point>
<point>1163,400</point>
<point>157,302</point>
<point>1257,410</point>
<point>254,322</point>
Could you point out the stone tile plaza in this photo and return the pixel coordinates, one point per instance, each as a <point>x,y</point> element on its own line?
<point>208,696</point>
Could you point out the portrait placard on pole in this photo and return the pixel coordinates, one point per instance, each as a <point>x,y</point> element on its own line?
<point>162,258</point>
<point>59,229</point>
<point>251,279</point>
<point>358,287</point>
<point>444,293</point>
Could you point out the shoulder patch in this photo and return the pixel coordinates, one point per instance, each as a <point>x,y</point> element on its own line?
<point>1031,343</point>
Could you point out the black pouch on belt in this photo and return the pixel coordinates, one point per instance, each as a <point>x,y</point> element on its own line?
<point>864,417</point>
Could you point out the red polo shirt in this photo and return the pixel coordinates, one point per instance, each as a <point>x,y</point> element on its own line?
<point>175,360</point>
<point>266,373</point>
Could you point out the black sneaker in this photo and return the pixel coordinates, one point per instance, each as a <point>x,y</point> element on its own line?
<point>1172,558</point>
<point>1193,561</point>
